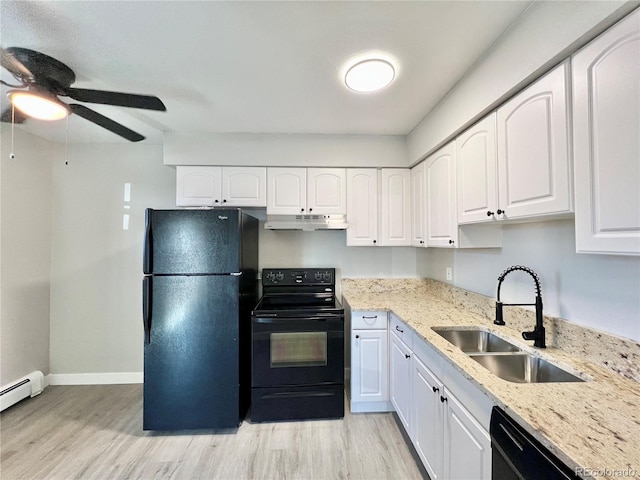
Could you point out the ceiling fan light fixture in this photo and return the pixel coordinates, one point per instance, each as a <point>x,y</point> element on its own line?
<point>370,75</point>
<point>38,105</point>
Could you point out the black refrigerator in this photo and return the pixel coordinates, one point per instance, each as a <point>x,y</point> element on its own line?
<point>199,288</point>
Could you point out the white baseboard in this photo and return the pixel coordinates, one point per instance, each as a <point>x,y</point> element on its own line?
<point>94,378</point>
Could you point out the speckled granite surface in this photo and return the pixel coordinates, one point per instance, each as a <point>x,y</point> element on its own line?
<point>594,425</point>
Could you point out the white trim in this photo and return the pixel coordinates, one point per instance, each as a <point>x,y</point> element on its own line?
<point>94,378</point>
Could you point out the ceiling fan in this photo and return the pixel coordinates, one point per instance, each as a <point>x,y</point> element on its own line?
<point>46,78</point>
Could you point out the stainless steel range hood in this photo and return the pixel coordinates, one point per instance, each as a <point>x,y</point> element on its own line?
<point>306,222</point>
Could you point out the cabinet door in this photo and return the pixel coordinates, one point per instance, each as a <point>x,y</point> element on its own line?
<point>244,186</point>
<point>198,186</point>
<point>418,205</point>
<point>442,222</point>
<point>467,446</point>
<point>400,373</point>
<point>286,191</point>
<point>327,191</point>
<point>533,150</point>
<point>428,418</point>
<point>362,206</point>
<point>606,122</point>
<point>395,207</point>
<point>476,172</point>
<point>369,366</point>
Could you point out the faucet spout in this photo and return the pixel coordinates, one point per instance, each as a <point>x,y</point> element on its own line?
<point>538,332</point>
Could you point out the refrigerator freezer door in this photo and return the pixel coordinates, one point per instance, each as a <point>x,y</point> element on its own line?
<point>192,241</point>
<point>191,367</point>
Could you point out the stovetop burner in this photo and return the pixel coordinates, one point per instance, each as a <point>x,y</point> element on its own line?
<point>288,291</point>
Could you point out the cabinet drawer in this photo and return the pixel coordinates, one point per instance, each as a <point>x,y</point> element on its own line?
<point>366,320</point>
<point>401,330</point>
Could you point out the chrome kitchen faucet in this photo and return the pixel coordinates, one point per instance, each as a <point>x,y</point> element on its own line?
<point>538,334</point>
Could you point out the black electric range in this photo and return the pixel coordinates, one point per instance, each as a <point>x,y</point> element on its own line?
<point>297,347</point>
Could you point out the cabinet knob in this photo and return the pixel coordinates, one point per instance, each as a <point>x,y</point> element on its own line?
<point>451,242</point>
<point>375,241</point>
<point>224,201</point>
<point>311,209</point>
<point>500,212</point>
<point>490,213</point>
<point>357,336</point>
<point>435,389</point>
<point>443,399</point>
<point>406,355</point>
<point>215,201</point>
<point>302,209</point>
<point>421,242</point>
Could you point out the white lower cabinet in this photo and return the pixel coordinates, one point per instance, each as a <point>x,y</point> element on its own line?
<point>467,446</point>
<point>446,417</point>
<point>369,384</point>
<point>401,391</point>
<point>428,415</point>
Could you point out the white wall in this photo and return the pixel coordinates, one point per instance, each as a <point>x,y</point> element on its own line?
<point>282,248</point>
<point>96,269</point>
<point>25,249</point>
<point>202,148</point>
<point>597,291</point>
<point>545,34</point>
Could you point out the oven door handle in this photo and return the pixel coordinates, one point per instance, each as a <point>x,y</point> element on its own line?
<point>288,319</point>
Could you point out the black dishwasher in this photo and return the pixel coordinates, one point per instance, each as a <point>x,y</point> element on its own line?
<point>516,455</point>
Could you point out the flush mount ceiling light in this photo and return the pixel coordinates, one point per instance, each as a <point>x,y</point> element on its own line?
<point>37,105</point>
<point>370,75</point>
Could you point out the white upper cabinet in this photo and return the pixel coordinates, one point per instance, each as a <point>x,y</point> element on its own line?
<point>395,207</point>
<point>287,191</point>
<point>244,186</point>
<point>202,186</point>
<point>441,222</point>
<point>306,191</point>
<point>362,206</point>
<point>606,121</point>
<point>379,207</point>
<point>418,205</point>
<point>477,173</point>
<point>534,169</point>
<point>327,191</point>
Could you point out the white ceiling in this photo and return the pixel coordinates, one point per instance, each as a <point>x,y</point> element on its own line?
<point>254,67</point>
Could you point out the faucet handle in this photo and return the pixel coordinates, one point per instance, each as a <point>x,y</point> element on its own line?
<point>499,320</point>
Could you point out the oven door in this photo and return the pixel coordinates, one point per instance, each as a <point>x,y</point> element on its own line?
<point>297,350</point>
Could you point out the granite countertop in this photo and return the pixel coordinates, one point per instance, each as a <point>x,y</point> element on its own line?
<point>593,426</point>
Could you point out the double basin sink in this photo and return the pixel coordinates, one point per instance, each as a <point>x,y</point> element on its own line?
<point>503,358</point>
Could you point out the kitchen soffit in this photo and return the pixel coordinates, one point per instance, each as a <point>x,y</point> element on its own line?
<point>256,67</point>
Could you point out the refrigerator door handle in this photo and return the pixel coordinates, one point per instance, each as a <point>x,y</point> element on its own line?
<point>148,243</point>
<point>146,308</point>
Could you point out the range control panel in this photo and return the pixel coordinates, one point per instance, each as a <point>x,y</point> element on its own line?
<point>298,276</point>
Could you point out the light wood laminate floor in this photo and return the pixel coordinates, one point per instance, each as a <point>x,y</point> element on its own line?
<point>95,432</point>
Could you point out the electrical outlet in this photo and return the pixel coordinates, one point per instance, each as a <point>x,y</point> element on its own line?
<point>449,273</point>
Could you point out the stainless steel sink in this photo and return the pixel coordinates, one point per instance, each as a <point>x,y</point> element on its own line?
<point>476,341</point>
<point>524,368</point>
<point>504,359</point>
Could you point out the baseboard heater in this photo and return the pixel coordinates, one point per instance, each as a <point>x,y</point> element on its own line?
<point>28,386</point>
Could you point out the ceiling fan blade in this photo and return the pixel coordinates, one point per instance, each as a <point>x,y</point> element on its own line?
<point>105,122</point>
<point>104,97</point>
<point>13,65</point>
<point>19,117</point>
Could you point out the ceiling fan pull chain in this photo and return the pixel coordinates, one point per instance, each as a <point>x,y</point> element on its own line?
<point>66,142</point>
<point>13,124</point>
